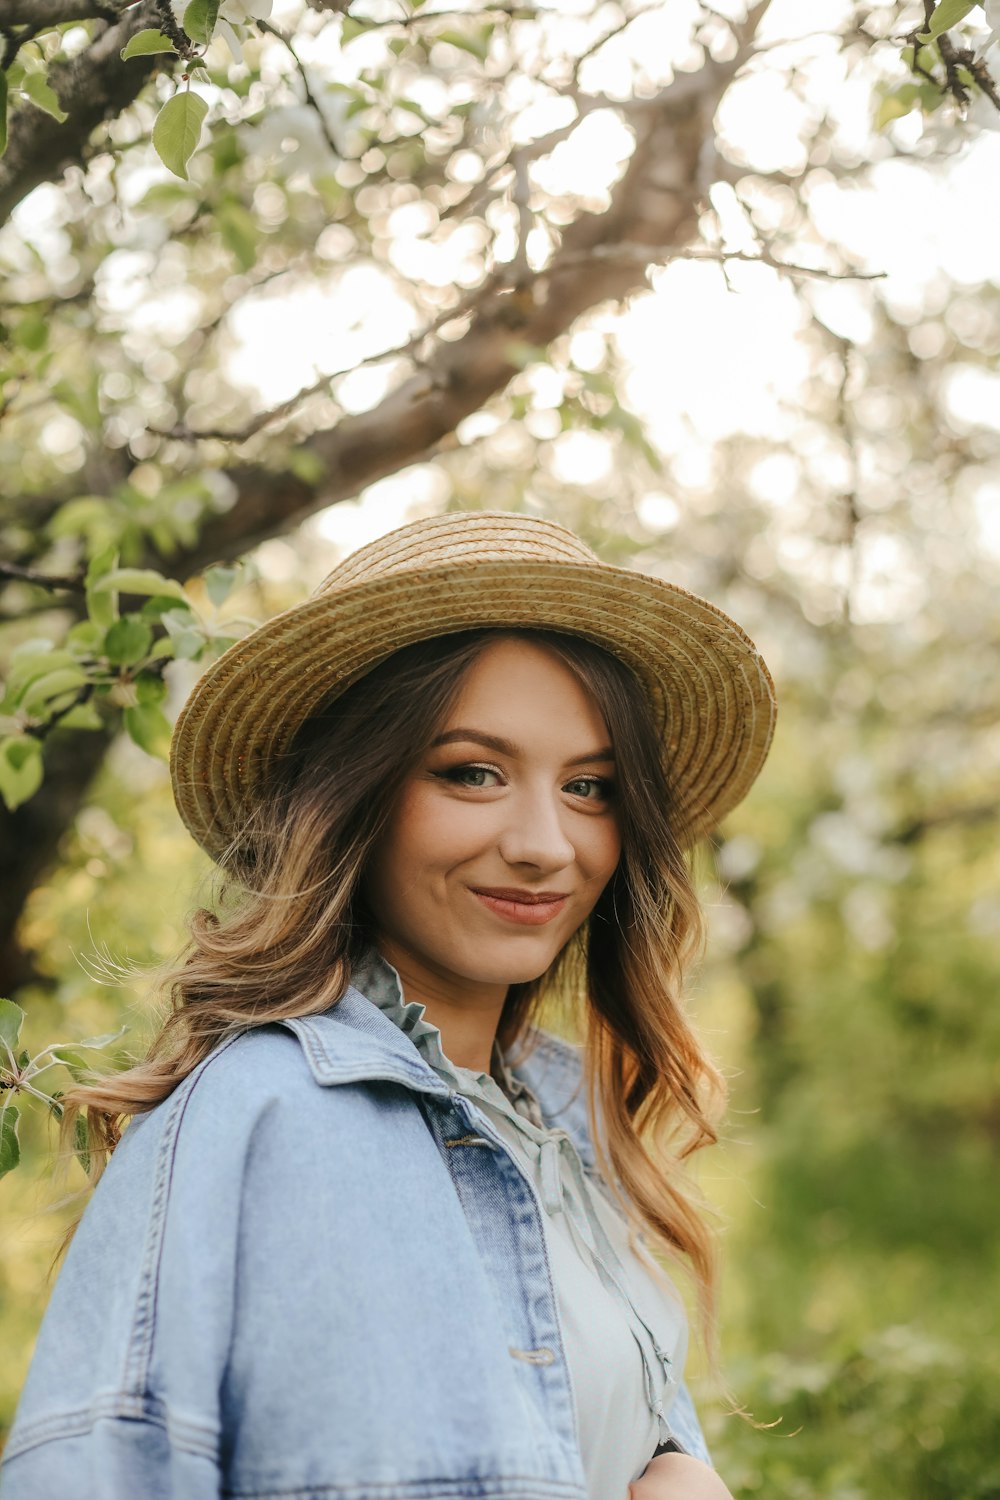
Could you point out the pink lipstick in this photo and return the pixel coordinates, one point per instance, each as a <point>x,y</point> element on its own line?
<point>525,907</point>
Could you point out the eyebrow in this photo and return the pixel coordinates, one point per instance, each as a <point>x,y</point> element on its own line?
<point>507,747</point>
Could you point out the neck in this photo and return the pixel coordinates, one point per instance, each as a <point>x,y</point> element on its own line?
<point>465,1012</point>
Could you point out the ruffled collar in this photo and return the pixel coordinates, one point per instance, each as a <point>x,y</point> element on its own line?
<point>500,1089</point>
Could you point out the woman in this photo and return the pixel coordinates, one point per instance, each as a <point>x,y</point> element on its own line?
<point>371,1232</point>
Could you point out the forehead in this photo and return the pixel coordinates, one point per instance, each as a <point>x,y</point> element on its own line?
<point>513,680</point>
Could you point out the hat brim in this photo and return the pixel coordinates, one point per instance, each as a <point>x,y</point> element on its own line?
<point>711,692</point>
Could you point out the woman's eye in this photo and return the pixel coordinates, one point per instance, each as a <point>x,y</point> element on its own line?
<point>595,788</point>
<point>467,775</point>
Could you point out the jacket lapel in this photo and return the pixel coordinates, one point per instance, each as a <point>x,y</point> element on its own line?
<point>355,1041</point>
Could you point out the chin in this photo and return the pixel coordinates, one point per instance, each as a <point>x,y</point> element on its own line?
<point>508,967</point>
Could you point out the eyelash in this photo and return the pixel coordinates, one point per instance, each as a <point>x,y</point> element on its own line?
<point>454,773</point>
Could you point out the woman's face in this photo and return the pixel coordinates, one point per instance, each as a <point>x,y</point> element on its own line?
<point>515,798</point>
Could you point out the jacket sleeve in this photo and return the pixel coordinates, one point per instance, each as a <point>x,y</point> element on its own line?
<point>686,1426</point>
<point>122,1398</point>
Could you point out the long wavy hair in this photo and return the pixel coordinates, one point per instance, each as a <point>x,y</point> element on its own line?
<point>290,920</point>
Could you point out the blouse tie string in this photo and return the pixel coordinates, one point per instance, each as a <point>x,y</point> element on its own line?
<point>577,1205</point>
<point>552,1147</point>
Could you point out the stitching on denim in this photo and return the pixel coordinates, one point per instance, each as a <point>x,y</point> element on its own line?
<point>506,1487</point>
<point>326,1069</point>
<point>202,1440</point>
<point>140,1346</point>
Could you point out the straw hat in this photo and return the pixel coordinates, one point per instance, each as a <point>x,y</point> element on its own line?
<point>711,692</point>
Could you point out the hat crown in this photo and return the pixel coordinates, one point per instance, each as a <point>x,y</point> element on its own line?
<point>457,539</point>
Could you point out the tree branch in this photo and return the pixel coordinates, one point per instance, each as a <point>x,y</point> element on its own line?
<point>92,87</point>
<point>44,580</point>
<point>41,14</point>
<point>603,257</point>
<point>977,812</point>
<point>311,98</point>
<point>507,276</point>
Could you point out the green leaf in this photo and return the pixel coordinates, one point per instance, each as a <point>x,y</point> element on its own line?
<point>146,42</point>
<point>101,563</point>
<point>219,583</point>
<point>32,660</point>
<point>157,605</point>
<point>78,515</point>
<point>41,92</point>
<point>177,130</point>
<point>140,581</point>
<point>199,22</point>
<point>3,111</point>
<point>240,231</point>
<point>31,332</point>
<point>413,108</point>
<point>81,1143</point>
<point>164,195</point>
<point>85,638</point>
<point>10,1151</point>
<point>21,769</point>
<point>923,57</point>
<point>11,1018</point>
<point>150,728</point>
<point>105,1040</point>
<point>149,688</point>
<point>307,465</point>
<point>102,607</point>
<point>897,104</point>
<point>81,397</point>
<point>81,716</point>
<point>44,695</point>
<point>102,604</point>
<point>350,27</point>
<point>947,15</point>
<point>217,645</point>
<point>74,1064</point>
<point>127,641</point>
<point>45,690</point>
<point>478,45</point>
<point>187,636</point>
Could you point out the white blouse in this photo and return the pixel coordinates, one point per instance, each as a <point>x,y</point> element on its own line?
<point>623,1322</point>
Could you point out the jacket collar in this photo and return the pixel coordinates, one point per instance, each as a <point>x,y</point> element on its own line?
<point>356,1041</point>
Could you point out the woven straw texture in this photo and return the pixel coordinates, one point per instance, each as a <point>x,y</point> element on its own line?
<point>711,692</point>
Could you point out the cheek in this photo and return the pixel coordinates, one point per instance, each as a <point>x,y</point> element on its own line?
<point>427,833</point>
<point>602,849</point>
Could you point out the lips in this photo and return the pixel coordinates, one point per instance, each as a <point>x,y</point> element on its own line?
<point>512,893</point>
<point>528,908</point>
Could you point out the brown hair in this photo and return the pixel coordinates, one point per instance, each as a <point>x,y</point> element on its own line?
<point>290,921</point>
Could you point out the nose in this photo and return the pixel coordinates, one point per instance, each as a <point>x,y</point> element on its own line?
<point>533,833</point>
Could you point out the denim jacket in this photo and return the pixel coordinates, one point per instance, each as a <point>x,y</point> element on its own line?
<point>295,1279</point>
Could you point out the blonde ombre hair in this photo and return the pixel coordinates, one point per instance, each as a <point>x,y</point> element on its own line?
<point>291,921</point>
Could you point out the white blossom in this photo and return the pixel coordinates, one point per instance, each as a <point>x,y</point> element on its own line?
<point>240,11</point>
<point>294,122</point>
<point>992,9</point>
<point>231,36</point>
<point>234,16</point>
